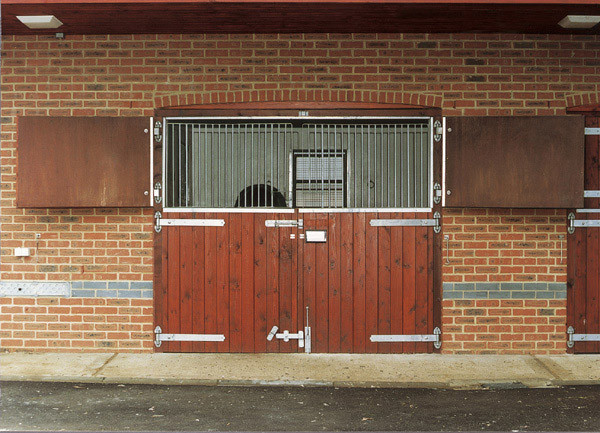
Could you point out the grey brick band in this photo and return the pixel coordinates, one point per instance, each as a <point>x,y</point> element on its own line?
<point>537,290</point>
<point>77,289</point>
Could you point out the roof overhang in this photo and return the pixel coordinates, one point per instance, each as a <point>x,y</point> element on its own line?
<point>295,16</point>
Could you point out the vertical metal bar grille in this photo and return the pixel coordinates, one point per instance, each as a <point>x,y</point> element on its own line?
<point>314,165</point>
<point>228,165</point>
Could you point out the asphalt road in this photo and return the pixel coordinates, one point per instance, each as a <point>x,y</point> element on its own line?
<point>55,406</point>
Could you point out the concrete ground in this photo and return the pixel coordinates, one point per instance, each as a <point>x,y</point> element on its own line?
<point>410,371</point>
<point>109,407</point>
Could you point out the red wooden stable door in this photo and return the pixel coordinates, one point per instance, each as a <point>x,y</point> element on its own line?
<point>583,251</point>
<point>368,280</point>
<point>231,280</point>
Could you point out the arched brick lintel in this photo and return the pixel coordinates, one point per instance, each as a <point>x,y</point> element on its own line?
<point>309,98</point>
<point>583,102</point>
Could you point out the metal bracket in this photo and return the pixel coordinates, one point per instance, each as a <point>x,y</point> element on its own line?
<point>437,193</point>
<point>157,194</point>
<point>592,131</point>
<point>286,336</point>
<point>285,223</point>
<point>157,226</point>
<point>438,130</point>
<point>192,222</point>
<point>573,338</point>
<point>159,337</point>
<point>434,338</point>
<point>158,131</point>
<point>410,222</point>
<point>591,193</point>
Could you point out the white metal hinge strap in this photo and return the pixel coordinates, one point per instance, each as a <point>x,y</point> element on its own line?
<point>573,338</point>
<point>433,222</point>
<point>192,222</point>
<point>285,223</point>
<point>410,338</point>
<point>592,131</point>
<point>159,337</point>
<point>591,194</point>
<point>573,223</point>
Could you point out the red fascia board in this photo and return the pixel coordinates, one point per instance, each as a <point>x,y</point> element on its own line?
<point>432,2</point>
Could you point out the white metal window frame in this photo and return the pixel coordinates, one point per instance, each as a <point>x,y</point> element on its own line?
<point>300,210</point>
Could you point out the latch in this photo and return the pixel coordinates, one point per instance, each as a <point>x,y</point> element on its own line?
<point>157,194</point>
<point>437,193</point>
<point>286,336</point>
<point>285,223</point>
<point>157,226</point>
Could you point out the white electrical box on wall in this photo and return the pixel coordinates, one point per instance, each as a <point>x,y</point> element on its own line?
<point>22,252</point>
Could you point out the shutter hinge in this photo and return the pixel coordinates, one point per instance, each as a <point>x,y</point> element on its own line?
<point>157,194</point>
<point>573,337</point>
<point>158,131</point>
<point>437,193</point>
<point>438,130</point>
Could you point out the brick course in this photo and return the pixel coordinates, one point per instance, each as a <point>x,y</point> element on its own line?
<point>514,326</point>
<point>131,75</point>
<point>76,324</point>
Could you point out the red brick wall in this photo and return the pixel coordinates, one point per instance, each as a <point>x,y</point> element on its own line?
<point>504,326</point>
<point>76,324</point>
<point>125,75</point>
<point>498,245</point>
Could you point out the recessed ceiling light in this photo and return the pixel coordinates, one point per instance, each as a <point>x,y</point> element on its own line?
<point>40,21</point>
<point>579,21</point>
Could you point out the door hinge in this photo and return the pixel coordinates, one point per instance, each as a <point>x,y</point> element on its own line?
<point>157,194</point>
<point>574,223</point>
<point>159,337</point>
<point>285,223</point>
<point>157,226</point>
<point>573,338</point>
<point>434,338</point>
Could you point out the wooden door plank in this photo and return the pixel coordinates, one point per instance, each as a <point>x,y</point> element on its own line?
<point>223,275</point>
<point>260,283</point>
<point>371,280</point>
<point>286,298</point>
<point>198,284</point>
<point>421,287</point>
<point>309,281</point>
<point>334,269</point>
<point>247,279</point>
<point>210,283</point>
<point>383,283</point>
<point>272,281</point>
<point>593,259</point>
<point>173,298</point>
<point>358,284</point>
<point>298,302</point>
<point>161,293</point>
<point>346,282</point>
<point>396,287</point>
<point>409,284</point>
<point>186,282</point>
<point>579,284</point>
<point>235,279</point>
<point>321,267</point>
